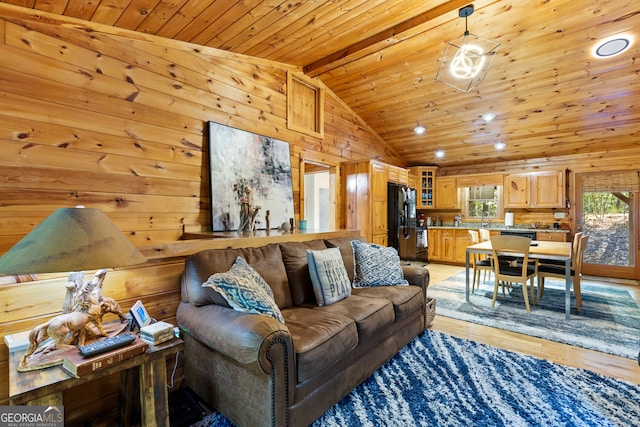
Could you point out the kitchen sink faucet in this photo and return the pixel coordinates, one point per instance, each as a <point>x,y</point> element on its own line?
<point>482,225</point>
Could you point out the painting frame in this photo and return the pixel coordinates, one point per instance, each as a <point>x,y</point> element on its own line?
<point>250,177</point>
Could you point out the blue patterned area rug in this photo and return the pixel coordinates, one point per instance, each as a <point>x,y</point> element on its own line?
<point>609,320</point>
<point>439,380</point>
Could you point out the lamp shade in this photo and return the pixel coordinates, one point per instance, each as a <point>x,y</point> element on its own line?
<point>71,239</point>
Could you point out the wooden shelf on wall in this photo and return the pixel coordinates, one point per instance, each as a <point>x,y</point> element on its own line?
<point>199,241</point>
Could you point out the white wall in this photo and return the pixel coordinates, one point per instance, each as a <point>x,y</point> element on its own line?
<point>316,190</point>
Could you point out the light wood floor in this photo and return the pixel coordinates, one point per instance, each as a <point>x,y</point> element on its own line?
<point>613,366</point>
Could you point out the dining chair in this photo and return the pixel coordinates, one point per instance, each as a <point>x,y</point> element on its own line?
<point>523,271</point>
<point>480,264</point>
<point>485,235</point>
<point>574,251</point>
<point>558,271</point>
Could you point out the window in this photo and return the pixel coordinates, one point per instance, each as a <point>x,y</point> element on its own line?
<point>481,199</point>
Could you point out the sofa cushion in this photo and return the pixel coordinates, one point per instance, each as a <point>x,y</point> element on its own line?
<point>405,299</point>
<point>371,315</point>
<point>320,338</point>
<point>376,266</point>
<point>344,244</point>
<point>266,260</point>
<point>198,268</point>
<point>328,276</point>
<point>245,290</point>
<point>294,256</point>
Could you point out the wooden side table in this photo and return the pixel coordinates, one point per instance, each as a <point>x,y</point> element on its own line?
<point>45,387</point>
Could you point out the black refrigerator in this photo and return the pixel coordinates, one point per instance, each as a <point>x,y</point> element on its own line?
<point>401,219</point>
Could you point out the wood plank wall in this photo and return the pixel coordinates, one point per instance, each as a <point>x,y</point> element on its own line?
<point>115,120</point>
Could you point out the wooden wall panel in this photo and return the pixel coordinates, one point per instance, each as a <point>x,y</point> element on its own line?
<point>107,118</point>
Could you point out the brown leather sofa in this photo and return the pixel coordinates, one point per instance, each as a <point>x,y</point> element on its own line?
<point>256,370</point>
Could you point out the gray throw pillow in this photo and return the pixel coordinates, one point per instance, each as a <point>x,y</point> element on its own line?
<point>376,266</point>
<point>328,276</point>
<point>245,290</point>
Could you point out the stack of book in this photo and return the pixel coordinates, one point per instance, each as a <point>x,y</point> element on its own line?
<point>156,333</point>
<point>78,365</point>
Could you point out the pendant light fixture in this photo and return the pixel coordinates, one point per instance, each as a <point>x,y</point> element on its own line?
<point>466,59</point>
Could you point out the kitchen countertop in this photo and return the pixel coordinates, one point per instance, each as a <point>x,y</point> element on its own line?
<point>497,227</point>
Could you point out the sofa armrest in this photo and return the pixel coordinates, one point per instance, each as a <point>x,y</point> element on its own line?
<point>245,338</point>
<point>417,275</point>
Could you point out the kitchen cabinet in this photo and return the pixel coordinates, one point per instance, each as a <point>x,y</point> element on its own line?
<point>379,201</point>
<point>434,237</point>
<point>441,244</point>
<point>548,190</point>
<point>517,191</point>
<point>464,181</point>
<point>425,187</point>
<point>449,245</point>
<point>545,189</point>
<point>393,174</point>
<point>462,241</point>
<point>550,236</point>
<point>403,177</point>
<point>398,175</point>
<point>412,182</point>
<point>364,190</point>
<point>446,193</point>
<point>381,239</point>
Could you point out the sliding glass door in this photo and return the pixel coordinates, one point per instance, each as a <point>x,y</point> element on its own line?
<point>607,211</point>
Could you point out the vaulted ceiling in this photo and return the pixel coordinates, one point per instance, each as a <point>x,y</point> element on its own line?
<point>550,95</point>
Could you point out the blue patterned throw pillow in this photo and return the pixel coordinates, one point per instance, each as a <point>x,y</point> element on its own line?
<point>245,290</point>
<point>328,276</point>
<point>376,266</point>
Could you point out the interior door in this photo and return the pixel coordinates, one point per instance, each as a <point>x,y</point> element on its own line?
<point>607,209</point>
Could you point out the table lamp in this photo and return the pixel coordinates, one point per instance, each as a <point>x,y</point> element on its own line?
<point>69,240</point>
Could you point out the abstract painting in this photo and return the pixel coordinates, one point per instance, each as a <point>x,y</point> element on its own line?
<point>249,173</point>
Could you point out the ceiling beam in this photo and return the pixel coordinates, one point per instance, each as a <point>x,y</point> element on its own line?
<point>387,37</point>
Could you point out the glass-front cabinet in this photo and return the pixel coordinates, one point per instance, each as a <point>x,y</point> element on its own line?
<point>425,188</point>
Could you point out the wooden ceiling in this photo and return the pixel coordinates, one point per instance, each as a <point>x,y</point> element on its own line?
<point>551,97</point>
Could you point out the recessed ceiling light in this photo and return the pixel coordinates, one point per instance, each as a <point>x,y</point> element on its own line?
<point>487,117</point>
<point>612,46</point>
<point>419,130</point>
<point>499,145</point>
<point>439,154</point>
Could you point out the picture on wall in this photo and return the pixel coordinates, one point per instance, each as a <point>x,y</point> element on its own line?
<point>250,175</point>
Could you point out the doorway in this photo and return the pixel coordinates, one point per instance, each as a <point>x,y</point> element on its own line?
<point>318,196</point>
<point>607,211</point>
<point>316,201</point>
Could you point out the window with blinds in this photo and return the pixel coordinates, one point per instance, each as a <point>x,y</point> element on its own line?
<point>613,182</point>
<point>481,199</point>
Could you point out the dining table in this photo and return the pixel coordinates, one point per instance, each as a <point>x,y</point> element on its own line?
<point>560,251</point>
